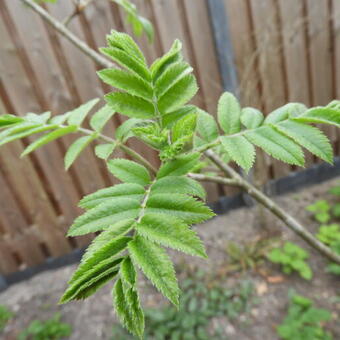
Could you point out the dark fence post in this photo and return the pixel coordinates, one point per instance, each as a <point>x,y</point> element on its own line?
<point>224,48</point>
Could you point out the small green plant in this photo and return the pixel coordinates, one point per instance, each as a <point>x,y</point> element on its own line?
<point>303,321</point>
<point>334,268</point>
<point>200,302</point>
<point>248,255</point>
<point>329,234</point>
<point>52,329</point>
<point>5,316</point>
<point>292,258</point>
<point>321,210</point>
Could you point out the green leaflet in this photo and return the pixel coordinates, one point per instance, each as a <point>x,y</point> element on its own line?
<point>7,120</point>
<point>138,23</point>
<point>184,127</point>
<point>10,135</point>
<point>49,138</point>
<point>118,229</point>
<point>179,166</point>
<point>128,171</point>
<point>178,185</point>
<point>229,113</point>
<point>123,59</point>
<point>124,42</point>
<point>179,94</point>
<point>251,118</point>
<point>132,84</point>
<point>284,112</point>
<point>77,116</point>
<point>308,137</point>
<point>156,265</point>
<point>323,115</point>
<point>171,76</point>
<point>104,215</point>
<point>76,148</point>
<point>171,233</point>
<point>101,117</point>
<point>207,127</point>
<point>170,118</point>
<point>109,250</point>
<point>240,150</point>
<point>130,314</point>
<point>129,105</point>
<point>39,119</point>
<point>91,280</point>
<point>183,207</point>
<point>124,131</point>
<point>104,151</point>
<point>172,56</point>
<point>127,272</point>
<point>124,190</point>
<point>276,145</point>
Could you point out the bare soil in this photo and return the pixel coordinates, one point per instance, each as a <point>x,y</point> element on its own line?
<point>93,319</point>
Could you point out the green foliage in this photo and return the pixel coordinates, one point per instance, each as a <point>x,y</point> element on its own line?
<point>248,255</point>
<point>139,24</point>
<point>5,316</point>
<point>329,234</point>
<point>292,258</point>
<point>155,208</point>
<point>47,330</point>
<point>321,210</point>
<point>201,301</point>
<point>303,321</point>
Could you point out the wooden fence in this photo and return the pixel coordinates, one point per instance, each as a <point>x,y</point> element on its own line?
<point>285,50</point>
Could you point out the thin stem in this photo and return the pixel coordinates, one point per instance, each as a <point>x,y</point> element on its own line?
<point>215,179</point>
<point>59,27</point>
<point>140,159</point>
<point>269,204</point>
<point>78,8</point>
